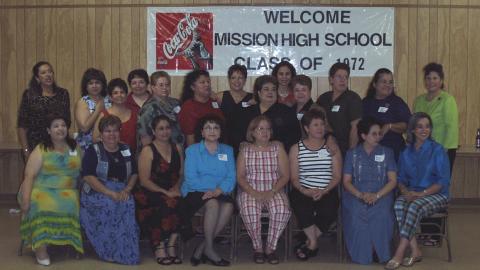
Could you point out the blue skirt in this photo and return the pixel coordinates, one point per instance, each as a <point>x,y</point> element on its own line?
<point>110,226</point>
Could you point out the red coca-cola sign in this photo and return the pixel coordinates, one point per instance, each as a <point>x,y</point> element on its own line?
<point>184,41</point>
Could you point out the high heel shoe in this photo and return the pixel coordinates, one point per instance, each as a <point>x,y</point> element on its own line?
<point>44,262</point>
<point>196,261</point>
<point>221,262</point>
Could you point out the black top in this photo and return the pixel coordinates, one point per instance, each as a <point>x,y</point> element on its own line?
<point>163,173</point>
<point>284,120</point>
<point>116,164</point>
<point>228,108</point>
<point>340,113</point>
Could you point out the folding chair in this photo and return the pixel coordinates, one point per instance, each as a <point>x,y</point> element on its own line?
<point>439,221</point>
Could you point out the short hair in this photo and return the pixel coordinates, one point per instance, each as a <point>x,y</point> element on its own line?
<point>190,79</point>
<point>260,82</point>
<point>34,84</point>
<point>302,80</point>
<point>137,73</point>
<point>287,64</point>
<point>434,67</point>
<point>310,115</point>
<point>109,121</point>
<point>338,66</point>
<point>254,125</point>
<point>159,74</point>
<point>237,68</point>
<point>364,126</point>
<point>209,118</point>
<point>412,125</point>
<point>93,74</point>
<point>47,142</point>
<point>117,82</point>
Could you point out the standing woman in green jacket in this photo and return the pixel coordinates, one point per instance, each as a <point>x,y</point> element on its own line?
<point>442,108</point>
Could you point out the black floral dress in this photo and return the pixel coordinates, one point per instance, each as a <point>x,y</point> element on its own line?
<point>157,214</point>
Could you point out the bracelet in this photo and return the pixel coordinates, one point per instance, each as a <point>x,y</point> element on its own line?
<point>425,191</point>
<point>25,150</point>
<point>390,126</point>
<point>377,196</point>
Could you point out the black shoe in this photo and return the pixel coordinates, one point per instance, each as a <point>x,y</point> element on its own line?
<point>221,262</point>
<point>196,261</point>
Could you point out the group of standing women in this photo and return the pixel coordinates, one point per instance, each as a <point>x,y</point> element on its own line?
<point>278,135</point>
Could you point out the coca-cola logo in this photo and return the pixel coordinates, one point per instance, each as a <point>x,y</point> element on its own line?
<point>183,38</point>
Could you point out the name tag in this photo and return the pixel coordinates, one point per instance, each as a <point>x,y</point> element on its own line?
<point>223,157</point>
<point>323,153</point>
<point>245,104</point>
<point>382,109</point>
<point>177,109</point>
<point>126,153</point>
<point>299,116</point>
<point>379,158</point>
<point>215,105</point>
<point>336,108</point>
<point>72,153</point>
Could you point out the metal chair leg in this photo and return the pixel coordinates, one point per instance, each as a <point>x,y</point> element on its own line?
<point>20,248</point>
<point>447,239</point>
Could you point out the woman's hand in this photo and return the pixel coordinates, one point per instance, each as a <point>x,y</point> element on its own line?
<point>124,194</point>
<point>25,205</point>
<point>369,198</point>
<point>113,195</point>
<point>318,194</point>
<point>173,193</point>
<point>307,192</point>
<point>212,194</point>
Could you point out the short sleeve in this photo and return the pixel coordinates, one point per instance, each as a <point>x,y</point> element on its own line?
<point>348,164</point>
<point>403,111</point>
<point>89,162</point>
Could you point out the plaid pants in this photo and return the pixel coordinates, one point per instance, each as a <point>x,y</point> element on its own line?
<point>409,214</point>
<point>278,213</point>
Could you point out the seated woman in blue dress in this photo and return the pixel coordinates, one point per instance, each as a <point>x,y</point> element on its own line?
<point>210,177</point>
<point>107,210</point>
<point>424,179</point>
<point>369,176</point>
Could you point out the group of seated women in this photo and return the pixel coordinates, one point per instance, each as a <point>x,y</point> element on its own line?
<point>272,165</point>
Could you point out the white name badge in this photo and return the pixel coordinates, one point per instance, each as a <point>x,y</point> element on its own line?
<point>177,109</point>
<point>299,116</point>
<point>72,153</point>
<point>223,157</point>
<point>215,105</point>
<point>336,108</point>
<point>323,153</point>
<point>379,158</point>
<point>382,109</point>
<point>126,153</point>
<point>245,104</point>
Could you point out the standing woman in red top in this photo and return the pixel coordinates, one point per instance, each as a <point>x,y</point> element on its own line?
<point>138,82</point>
<point>117,90</point>
<point>196,103</point>
<point>284,72</point>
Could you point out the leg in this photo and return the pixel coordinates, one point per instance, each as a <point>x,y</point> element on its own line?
<point>42,255</point>
<point>303,207</point>
<point>209,224</point>
<point>279,214</point>
<point>250,211</point>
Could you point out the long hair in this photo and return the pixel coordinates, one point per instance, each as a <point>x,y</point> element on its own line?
<point>190,79</point>
<point>287,64</point>
<point>371,88</point>
<point>47,142</point>
<point>412,124</point>
<point>94,74</point>
<point>33,84</point>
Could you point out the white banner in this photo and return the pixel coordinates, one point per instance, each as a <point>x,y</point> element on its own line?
<point>311,38</point>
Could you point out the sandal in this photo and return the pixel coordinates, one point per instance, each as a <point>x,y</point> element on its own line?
<point>174,259</point>
<point>258,257</point>
<point>163,260</point>
<point>392,265</point>
<point>272,258</point>
<point>299,253</point>
<point>431,242</point>
<point>410,261</point>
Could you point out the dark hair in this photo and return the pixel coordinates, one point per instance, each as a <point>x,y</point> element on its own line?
<point>303,80</point>
<point>287,64</point>
<point>117,82</point>
<point>412,124</point>
<point>434,67</point>
<point>33,84</point>
<point>310,115</point>
<point>213,118</point>
<point>260,81</point>
<point>159,74</point>
<point>157,120</point>
<point>237,68</point>
<point>93,74</point>
<point>364,126</point>
<point>371,88</point>
<point>137,73</point>
<point>109,120</point>
<point>254,125</point>
<point>47,141</point>
<point>190,79</point>
<point>338,66</point>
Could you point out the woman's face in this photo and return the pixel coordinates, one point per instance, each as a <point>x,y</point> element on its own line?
<point>45,76</point>
<point>373,136</point>
<point>58,130</point>
<point>163,131</point>
<point>110,135</point>
<point>339,81</point>
<point>118,96</point>
<point>423,129</point>
<point>433,82</point>
<point>268,93</point>
<point>384,85</point>
<point>284,75</point>
<point>161,88</point>
<point>94,87</point>
<point>138,86</point>
<point>201,87</point>
<point>263,132</point>
<point>316,129</point>
<point>236,81</point>
<point>211,132</point>
<point>301,93</point>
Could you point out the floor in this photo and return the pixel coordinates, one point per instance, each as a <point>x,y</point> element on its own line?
<point>464,224</point>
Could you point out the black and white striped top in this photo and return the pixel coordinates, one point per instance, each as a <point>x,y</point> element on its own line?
<point>314,166</point>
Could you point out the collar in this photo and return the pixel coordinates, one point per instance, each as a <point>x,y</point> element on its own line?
<point>203,148</point>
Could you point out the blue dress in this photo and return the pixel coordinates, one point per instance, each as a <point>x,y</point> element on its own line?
<point>368,228</point>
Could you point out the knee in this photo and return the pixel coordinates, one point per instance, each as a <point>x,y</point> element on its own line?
<point>212,204</point>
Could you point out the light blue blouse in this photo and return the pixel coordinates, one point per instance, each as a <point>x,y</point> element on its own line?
<point>205,171</point>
